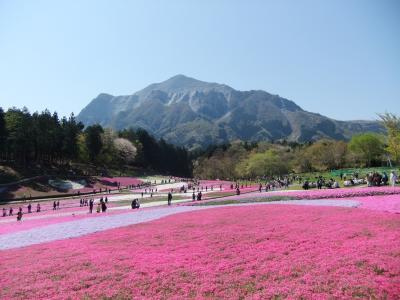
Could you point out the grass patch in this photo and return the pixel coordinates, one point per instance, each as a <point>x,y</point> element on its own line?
<point>145,200</point>
<point>250,200</point>
<point>219,194</point>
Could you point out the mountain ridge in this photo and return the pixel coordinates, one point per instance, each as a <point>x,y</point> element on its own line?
<point>194,113</point>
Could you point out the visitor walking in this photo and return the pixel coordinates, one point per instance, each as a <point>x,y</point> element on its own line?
<point>29,208</point>
<point>19,214</point>
<point>385,178</point>
<point>91,206</point>
<point>103,206</point>
<point>169,198</point>
<point>38,207</point>
<point>54,205</point>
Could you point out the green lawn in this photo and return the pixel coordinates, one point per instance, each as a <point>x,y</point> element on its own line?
<point>146,200</point>
<point>250,200</point>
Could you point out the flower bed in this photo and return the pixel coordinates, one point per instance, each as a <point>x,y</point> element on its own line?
<point>9,224</point>
<point>388,203</point>
<point>258,252</point>
<point>123,181</point>
<point>317,194</point>
<point>343,192</point>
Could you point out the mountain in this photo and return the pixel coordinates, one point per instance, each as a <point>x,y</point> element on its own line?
<point>190,112</point>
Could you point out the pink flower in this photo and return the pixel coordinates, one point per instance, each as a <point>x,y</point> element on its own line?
<point>257,252</point>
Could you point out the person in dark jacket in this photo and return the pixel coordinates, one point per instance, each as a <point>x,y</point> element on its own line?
<point>103,206</point>
<point>91,202</point>
<point>169,198</point>
<point>135,204</point>
<point>19,214</point>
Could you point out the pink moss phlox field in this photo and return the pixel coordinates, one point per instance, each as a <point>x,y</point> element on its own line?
<point>29,223</point>
<point>226,185</point>
<point>254,252</point>
<point>320,194</point>
<point>124,181</point>
<point>216,183</point>
<point>343,192</point>
<point>65,203</point>
<point>102,182</point>
<point>388,203</point>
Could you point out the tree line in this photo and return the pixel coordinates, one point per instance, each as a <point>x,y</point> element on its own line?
<point>249,160</point>
<point>45,138</point>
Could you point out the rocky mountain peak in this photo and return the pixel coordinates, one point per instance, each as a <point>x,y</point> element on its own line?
<point>195,113</point>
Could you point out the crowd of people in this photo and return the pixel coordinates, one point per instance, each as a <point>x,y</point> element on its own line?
<point>377,179</point>
<point>10,211</point>
<point>371,179</point>
<point>320,183</point>
<point>271,184</point>
<point>101,207</point>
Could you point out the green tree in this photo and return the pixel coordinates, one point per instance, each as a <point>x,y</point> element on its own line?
<point>323,155</point>
<point>83,153</point>
<point>368,147</point>
<point>20,139</point>
<point>392,124</point>
<point>93,139</point>
<point>107,154</point>
<point>70,132</point>
<point>47,136</point>
<point>221,162</point>
<point>3,132</point>
<point>268,163</point>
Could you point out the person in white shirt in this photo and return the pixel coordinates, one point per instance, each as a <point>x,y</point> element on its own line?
<point>393,178</point>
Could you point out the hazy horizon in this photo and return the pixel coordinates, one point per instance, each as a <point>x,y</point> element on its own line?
<point>337,58</point>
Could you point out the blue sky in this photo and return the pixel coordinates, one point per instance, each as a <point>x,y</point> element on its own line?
<point>339,58</point>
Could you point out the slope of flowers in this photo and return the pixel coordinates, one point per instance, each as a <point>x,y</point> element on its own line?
<point>319,194</point>
<point>343,192</point>
<point>66,205</point>
<point>388,203</point>
<point>257,252</point>
<point>123,181</point>
<point>41,221</point>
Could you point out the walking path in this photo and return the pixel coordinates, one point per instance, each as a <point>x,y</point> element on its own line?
<point>65,230</point>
